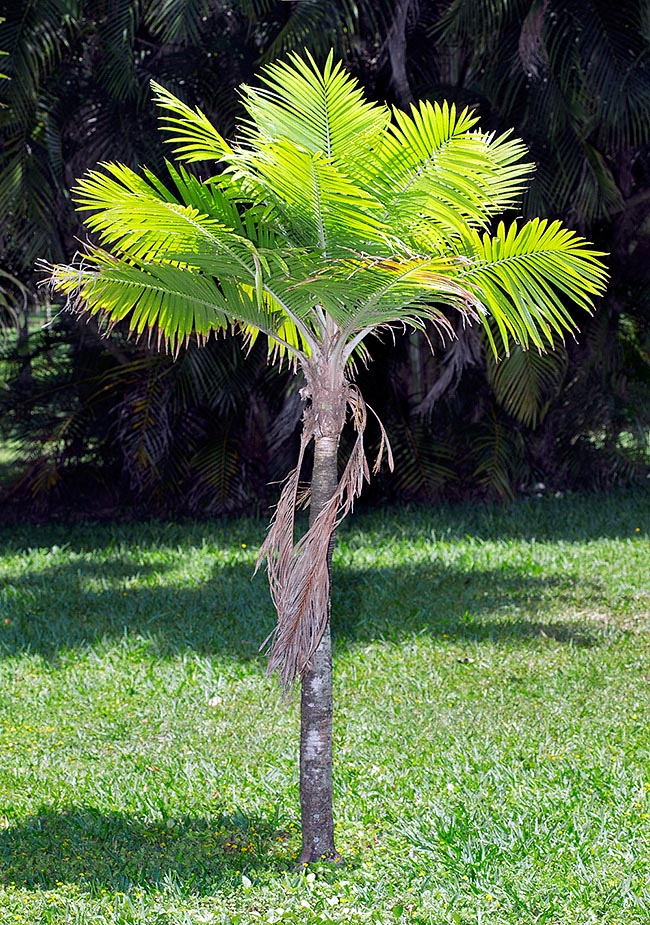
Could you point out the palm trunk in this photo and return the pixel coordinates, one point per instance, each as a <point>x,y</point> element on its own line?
<point>316,695</point>
<point>396,41</point>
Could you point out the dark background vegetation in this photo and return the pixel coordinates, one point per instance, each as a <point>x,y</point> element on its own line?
<point>100,426</point>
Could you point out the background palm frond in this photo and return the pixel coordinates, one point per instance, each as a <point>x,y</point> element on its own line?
<point>144,429</point>
<point>498,456</point>
<point>526,381</point>
<point>424,464</point>
<point>178,21</point>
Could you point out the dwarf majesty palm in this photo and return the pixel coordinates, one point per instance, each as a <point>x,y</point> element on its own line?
<point>328,218</point>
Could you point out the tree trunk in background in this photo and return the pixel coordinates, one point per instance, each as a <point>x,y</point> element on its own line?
<point>316,695</point>
<point>396,42</point>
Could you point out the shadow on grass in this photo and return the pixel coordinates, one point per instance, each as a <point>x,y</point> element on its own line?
<point>53,610</point>
<point>115,852</point>
<point>472,606</point>
<point>578,517</point>
<point>79,601</point>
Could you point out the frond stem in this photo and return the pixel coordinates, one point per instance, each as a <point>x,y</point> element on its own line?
<point>305,333</point>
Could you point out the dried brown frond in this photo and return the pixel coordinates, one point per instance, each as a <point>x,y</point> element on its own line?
<point>299,574</point>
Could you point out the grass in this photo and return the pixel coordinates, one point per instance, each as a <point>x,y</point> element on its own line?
<point>492,734</point>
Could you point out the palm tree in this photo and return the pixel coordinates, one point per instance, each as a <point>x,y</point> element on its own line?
<point>329,219</point>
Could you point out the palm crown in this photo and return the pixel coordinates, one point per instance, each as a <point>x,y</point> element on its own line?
<point>326,208</point>
<point>329,217</point>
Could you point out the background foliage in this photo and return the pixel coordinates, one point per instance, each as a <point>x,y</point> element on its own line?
<point>96,424</point>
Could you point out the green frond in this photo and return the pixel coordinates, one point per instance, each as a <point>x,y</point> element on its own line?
<point>139,218</point>
<point>177,20</point>
<point>575,79</point>
<point>432,164</point>
<point>285,339</point>
<point>117,70</point>
<point>36,37</point>
<point>319,206</point>
<point>366,294</point>
<point>476,20</point>
<point>320,25</point>
<point>217,200</point>
<point>190,131</point>
<point>423,463</point>
<point>611,61</point>
<point>577,180</point>
<point>28,222</point>
<point>323,111</point>
<point>327,214</point>
<point>144,430</point>
<point>3,53</point>
<point>219,483</point>
<point>497,451</point>
<point>14,298</point>
<point>216,376</point>
<point>169,303</point>
<point>166,303</point>
<point>522,276</point>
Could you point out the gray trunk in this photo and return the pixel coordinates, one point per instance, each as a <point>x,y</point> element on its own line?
<point>316,696</point>
<point>396,41</point>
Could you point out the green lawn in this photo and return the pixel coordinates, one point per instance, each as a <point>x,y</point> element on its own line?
<point>492,723</point>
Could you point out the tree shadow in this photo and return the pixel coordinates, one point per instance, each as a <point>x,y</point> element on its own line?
<point>65,606</point>
<point>78,601</point>
<point>499,605</point>
<point>115,852</point>
<point>124,539</point>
